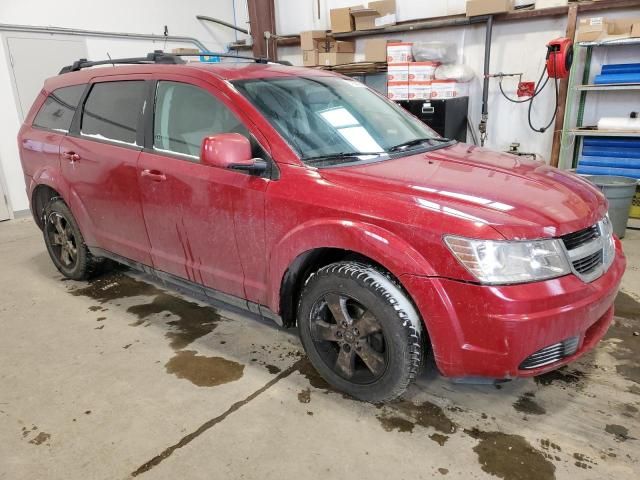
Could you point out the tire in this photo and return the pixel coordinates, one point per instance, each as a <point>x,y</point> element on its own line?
<point>360,331</point>
<point>65,243</point>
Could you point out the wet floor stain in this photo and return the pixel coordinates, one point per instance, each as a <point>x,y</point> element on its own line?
<point>510,457</point>
<point>403,415</point>
<point>563,377</point>
<point>272,369</point>
<point>194,320</point>
<point>439,438</point>
<point>312,375</point>
<point>41,438</point>
<point>626,347</point>
<point>304,396</point>
<point>618,431</point>
<point>527,404</point>
<point>582,461</point>
<point>443,471</point>
<point>114,286</point>
<point>626,306</point>
<point>204,371</point>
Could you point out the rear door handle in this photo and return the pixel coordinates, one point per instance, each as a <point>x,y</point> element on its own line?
<point>154,175</point>
<point>71,156</point>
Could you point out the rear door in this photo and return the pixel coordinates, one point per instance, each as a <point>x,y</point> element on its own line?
<point>203,222</point>
<point>99,162</point>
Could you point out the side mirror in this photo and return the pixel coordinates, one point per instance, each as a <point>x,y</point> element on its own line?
<point>232,151</point>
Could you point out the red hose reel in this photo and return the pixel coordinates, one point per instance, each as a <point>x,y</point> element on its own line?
<point>559,57</point>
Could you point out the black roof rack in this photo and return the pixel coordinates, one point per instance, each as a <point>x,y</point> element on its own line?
<point>156,57</point>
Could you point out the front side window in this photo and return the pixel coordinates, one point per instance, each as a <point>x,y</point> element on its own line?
<point>185,115</point>
<point>112,110</point>
<point>321,117</point>
<point>58,109</point>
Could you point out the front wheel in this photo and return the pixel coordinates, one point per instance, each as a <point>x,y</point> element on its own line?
<point>360,331</point>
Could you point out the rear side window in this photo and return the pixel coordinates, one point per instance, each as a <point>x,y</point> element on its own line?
<point>112,110</point>
<point>185,114</point>
<point>58,109</point>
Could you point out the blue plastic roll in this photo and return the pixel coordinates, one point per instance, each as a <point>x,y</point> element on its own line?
<point>621,68</point>
<point>612,162</point>
<point>622,172</point>
<point>611,142</point>
<point>617,152</point>
<point>613,78</point>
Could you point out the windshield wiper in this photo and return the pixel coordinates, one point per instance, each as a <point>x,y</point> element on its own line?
<point>418,141</point>
<point>341,155</point>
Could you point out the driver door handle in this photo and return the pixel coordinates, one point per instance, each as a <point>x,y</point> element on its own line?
<point>154,175</point>
<point>71,156</point>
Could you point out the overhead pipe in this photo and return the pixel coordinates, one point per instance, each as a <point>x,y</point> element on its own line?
<point>223,23</point>
<point>100,34</point>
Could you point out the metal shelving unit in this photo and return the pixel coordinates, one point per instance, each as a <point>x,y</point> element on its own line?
<point>573,131</point>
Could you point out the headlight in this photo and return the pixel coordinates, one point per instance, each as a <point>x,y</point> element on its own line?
<point>505,262</point>
<point>609,248</point>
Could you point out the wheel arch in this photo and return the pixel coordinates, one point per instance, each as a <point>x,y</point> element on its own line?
<point>301,253</point>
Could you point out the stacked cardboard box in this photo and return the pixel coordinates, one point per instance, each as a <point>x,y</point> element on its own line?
<point>488,7</point>
<point>595,29</point>
<point>421,75</point>
<point>377,14</point>
<point>320,49</point>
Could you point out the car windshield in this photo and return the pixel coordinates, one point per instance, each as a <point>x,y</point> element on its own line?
<point>336,119</point>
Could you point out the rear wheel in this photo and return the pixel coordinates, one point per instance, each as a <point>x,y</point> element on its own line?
<point>360,331</point>
<point>65,243</point>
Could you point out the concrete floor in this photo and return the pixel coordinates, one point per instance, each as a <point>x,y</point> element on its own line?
<point>120,378</point>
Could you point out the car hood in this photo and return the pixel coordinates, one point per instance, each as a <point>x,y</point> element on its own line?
<point>520,198</point>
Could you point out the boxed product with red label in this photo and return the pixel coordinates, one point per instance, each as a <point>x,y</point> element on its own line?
<point>398,72</point>
<point>441,89</point>
<point>399,52</point>
<point>398,91</point>
<point>422,71</point>
<point>419,90</point>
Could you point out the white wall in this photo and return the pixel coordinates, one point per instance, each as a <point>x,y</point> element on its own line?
<point>518,47</point>
<point>130,16</point>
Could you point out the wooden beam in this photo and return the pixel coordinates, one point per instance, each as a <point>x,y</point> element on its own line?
<point>572,20</point>
<point>262,18</point>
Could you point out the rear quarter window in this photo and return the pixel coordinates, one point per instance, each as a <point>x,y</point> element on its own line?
<point>58,109</point>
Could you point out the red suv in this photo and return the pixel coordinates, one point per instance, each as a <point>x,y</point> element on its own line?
<point>305,197</point>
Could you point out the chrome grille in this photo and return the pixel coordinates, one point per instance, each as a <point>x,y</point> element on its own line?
<point>585,250</point>
<point>551,354</point>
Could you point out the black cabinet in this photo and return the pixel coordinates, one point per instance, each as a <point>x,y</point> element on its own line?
<point>447,117</point>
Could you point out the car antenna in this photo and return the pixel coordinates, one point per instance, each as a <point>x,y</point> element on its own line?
<point>110,59</point>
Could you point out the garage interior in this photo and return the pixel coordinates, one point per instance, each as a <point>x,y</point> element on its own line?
<point>120,377</point>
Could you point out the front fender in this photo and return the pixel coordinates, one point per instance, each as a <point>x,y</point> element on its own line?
<point>372,241</point>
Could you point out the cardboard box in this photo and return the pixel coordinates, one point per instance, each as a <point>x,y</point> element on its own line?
<point>422,71</point>
<point>593,29</point>
<point>341,19</point>
<point>375,50</point>
<point>331,58</point>
<point>398,91</point>
<point>398,72</point>
<point>340,47</point>
<point>540,4</point>
<point>310,58</point>
<point>624,27</point>
<point>399,52</point>
<point>376,15</point>
<point>310,38</point>
<point>185,50</point>
<point>419,90</point>
<point>488,7</point>
<point>442,89</point>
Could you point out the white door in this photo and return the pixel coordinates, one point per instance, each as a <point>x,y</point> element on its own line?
<point>4,201</point>
<point>35,59</point>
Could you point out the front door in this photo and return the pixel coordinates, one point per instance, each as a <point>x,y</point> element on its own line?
<point>99,163</point>
<point>192,211</point>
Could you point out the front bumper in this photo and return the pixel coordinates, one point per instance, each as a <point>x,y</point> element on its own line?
<point>488,331</point>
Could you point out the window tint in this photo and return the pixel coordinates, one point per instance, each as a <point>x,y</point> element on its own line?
<point>58,109</point>
<point>112,110</point>
<point>186,114</point>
